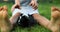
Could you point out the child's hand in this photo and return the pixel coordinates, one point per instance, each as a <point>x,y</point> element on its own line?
<point>15,6</point>
<point>34,4</point>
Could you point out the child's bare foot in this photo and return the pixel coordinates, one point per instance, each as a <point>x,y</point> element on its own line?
<point>55,12</point>
<point>55,19</point>
<point>4,21</point>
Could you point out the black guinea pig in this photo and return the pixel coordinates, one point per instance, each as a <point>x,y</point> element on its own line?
<point>26,21</point>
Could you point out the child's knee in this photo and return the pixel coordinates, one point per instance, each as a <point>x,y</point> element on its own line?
<point>36,16</point>
<point>16,12</point>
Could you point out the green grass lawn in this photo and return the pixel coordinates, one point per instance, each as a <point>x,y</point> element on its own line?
<point>44,10</point>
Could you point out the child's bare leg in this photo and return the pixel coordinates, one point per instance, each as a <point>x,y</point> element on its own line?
<point>52,25</point>
<point>42,20</point>
<point>15,14</point>
<point>55,19</point>
<point>14,18</point>
<point>5,25</point>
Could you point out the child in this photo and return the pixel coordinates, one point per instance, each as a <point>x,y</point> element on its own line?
<point>24,7</point>
<point>29,7</point>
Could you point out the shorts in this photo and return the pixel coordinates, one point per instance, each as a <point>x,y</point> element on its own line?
<point>25,10</point>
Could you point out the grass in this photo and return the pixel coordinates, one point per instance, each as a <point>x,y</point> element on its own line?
<point>44,10</point>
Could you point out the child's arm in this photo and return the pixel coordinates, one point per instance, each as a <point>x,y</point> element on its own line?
<point>17,1</point>
<point>16,5</point>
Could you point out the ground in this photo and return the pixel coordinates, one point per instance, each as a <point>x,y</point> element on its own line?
<point>44,10</point>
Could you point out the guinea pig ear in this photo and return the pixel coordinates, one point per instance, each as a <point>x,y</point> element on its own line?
<point>5,7</point>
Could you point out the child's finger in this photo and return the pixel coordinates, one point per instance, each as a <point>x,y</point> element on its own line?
<point>35,7</point>
<point>30,4</point>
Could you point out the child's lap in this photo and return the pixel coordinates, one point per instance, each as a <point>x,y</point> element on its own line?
<point>25,10</point>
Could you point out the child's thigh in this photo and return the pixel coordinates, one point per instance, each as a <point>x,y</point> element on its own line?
<point>15,15</point>
<point>36,16</point>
